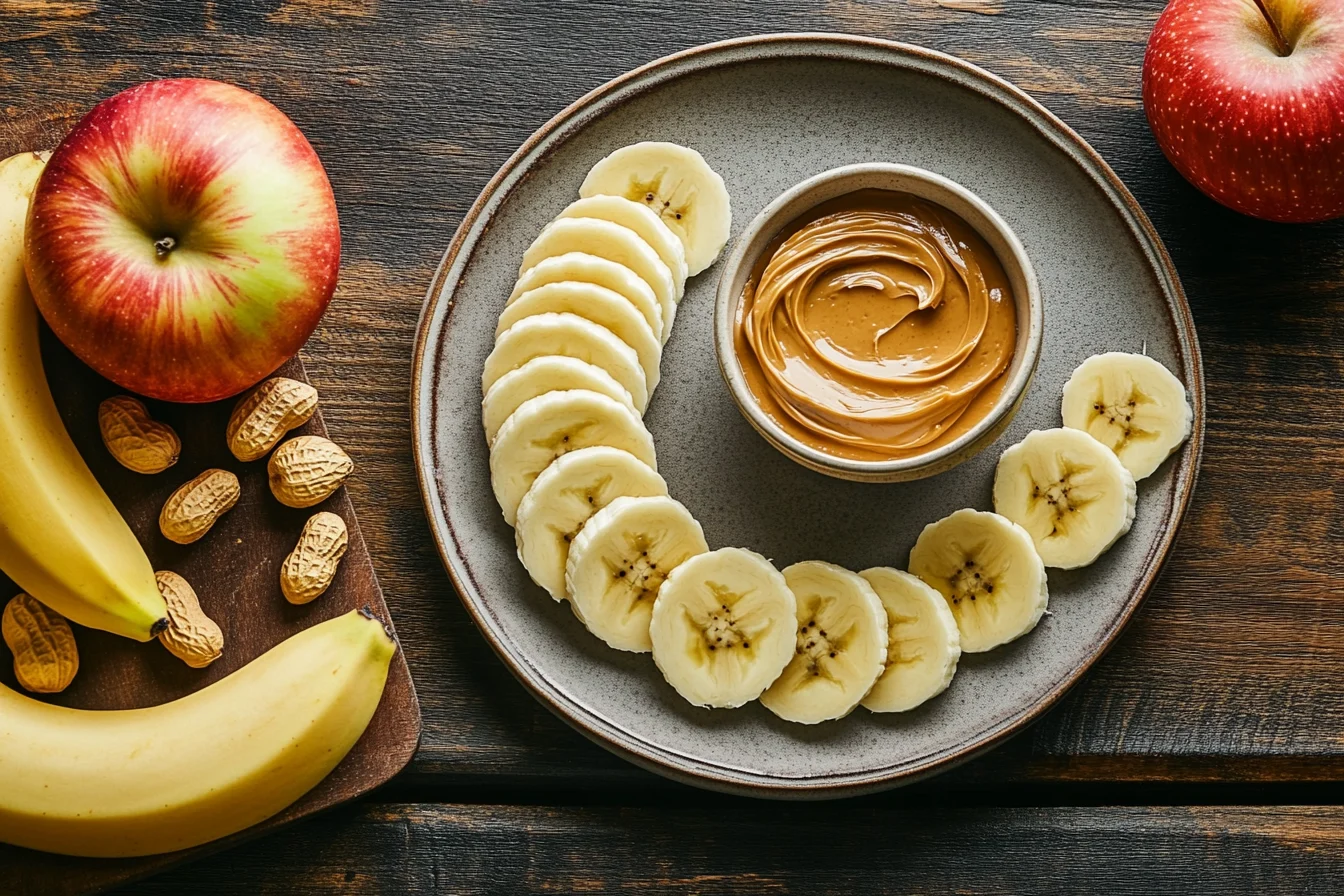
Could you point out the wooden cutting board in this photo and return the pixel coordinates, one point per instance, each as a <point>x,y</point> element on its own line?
<point>235,571</point>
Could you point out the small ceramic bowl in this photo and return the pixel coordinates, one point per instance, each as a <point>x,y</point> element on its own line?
<point>837,182</point>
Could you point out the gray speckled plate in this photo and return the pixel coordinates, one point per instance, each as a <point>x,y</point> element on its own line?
<point>767,112</point>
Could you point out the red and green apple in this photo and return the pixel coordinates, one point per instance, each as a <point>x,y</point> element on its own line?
<point>1246,98</point>
<point>183,240</point>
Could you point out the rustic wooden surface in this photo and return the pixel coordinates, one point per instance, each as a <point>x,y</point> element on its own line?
<point>1224,689</point>
<point>836,850</point>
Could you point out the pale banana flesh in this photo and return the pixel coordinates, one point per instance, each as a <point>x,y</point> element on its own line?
<point>923,642</point>
<point>61,539</point>
<point>593,236</point>
<point>598,304</point>
<point>145,781</point>
<point>1133,405</point>
<point>565,496</point>
<point>547,373</point>
<point>552,425</point>
<point>566,334</point>
<point>676,183</point>
<point>619,561</point>
<point>643,221</point>
<point>986,568</point>
<point>602,272</point>
<point>723,628</point>
<point>1069,492</point>
<point>840,645</point>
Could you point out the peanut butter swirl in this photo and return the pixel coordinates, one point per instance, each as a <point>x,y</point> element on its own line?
<point>878,329</point>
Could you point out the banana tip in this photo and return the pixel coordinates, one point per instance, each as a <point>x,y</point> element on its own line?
<point>367,613</point>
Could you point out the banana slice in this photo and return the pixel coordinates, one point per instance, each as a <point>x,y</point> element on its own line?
<point>572,336</point>
<point>1069,491</point>
<point>923,642</point>
<point>551,426</point>
<point>619,561</point>
<point>593,236</point>
<point>643,221</point>
<point>548,373</point>
<point>986,568</point>
<point>678,184</point>
<point>564,497</point>
<point>723,627</point>
<point>840,646</point>
<point>1132,405</point>
<point>602,272</point>
<point>597,304</point>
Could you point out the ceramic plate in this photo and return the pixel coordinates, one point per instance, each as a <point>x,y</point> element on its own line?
<point>767,112</point>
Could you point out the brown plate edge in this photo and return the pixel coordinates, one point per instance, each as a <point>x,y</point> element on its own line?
<point>851,48</point>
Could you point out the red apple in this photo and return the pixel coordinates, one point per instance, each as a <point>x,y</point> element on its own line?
<point>1246,98</point>
<point>183,240</point>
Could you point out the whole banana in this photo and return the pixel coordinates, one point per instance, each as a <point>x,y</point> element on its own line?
<point>61,539</point>
<point>144,781</point>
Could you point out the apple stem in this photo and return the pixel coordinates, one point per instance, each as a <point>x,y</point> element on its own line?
<point>163,246</point>
<point>1281,43</point>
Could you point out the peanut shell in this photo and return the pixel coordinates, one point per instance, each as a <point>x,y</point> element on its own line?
<point>307,470</point>
<point>191,636</point>
<point>136,440</point>
<point>197,505</point>
<point>45,656</point>
<point>263,417</point>
<point>309,569</point>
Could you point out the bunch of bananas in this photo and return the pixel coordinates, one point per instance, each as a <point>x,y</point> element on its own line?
<point>142,781</point>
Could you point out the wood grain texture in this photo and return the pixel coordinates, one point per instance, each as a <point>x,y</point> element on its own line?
<point>1230,670</point>
<point>831,849</point>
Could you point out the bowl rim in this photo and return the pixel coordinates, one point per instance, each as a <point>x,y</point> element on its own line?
<point>780,212</point>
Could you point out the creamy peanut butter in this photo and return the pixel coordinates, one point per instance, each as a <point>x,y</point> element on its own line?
<point>877,326</point>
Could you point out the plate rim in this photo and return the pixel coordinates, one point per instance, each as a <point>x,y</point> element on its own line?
<point>440,300</point>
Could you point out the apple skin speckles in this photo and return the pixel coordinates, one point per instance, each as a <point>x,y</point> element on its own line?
<point>1252,118</point>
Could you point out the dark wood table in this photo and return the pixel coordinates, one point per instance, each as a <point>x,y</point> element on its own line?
<point>1205,754</point>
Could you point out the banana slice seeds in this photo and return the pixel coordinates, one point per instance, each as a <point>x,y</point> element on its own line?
<point>619,561</point>
<point>840,647</point>
<point>723,627</point>
<point>1069,492</point>
<point>1131,404</point>
<point>987,569</point>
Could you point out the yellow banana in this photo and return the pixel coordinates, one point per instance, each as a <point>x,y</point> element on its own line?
<point>143,781</point>
<point>61,539</point>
